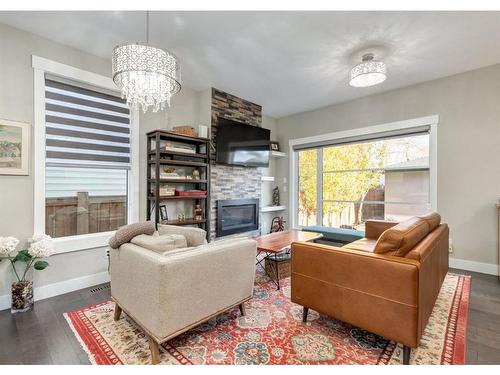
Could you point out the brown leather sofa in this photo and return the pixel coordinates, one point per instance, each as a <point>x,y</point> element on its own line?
<point>386,283</point>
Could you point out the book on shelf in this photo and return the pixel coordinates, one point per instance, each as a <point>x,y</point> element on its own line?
<point>167,190</point>
<point>172,177</point>
<point>179,147</point>
<point>169,175</point>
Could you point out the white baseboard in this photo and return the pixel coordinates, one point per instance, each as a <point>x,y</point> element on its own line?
<point>62,287</point>
<point>469,265</point>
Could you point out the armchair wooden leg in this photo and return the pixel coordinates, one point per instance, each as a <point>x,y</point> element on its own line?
<point>305,311</point>
<point>118,311</point>
<point>155,351</point>
<point>242,309</point>
<point>406,355</point>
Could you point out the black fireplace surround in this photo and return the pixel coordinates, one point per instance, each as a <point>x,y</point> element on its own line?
<point>237,216</point>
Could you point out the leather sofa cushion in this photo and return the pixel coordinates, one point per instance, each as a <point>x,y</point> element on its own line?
<point>401,238</point>
<point>375,228</point>
<point>413,254</point>
<point>336,234</point>
<point>365,244</point>
<point>433,219</point>
<point>160,244</point>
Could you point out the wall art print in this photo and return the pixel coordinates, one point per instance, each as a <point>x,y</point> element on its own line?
<point>14,147</point>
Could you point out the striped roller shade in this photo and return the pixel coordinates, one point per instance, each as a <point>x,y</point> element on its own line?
<point>85,127</point>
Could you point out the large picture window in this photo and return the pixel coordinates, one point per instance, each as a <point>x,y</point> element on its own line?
<point>87,162</point>
<point>345,184</point>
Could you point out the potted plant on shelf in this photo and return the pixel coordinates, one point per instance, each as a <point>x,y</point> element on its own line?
<point>41,246</point>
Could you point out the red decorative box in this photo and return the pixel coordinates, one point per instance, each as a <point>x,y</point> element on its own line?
<point>191,193</point>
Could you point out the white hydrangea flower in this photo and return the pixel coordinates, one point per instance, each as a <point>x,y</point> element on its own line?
<point>8,245</point>
<point>39,237</point>
<point>42,248</point>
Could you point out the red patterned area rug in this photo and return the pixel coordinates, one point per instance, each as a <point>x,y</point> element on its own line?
<point>273,333</point>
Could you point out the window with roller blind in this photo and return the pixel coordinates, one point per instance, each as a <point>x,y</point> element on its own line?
<point>87,159</point>
<point>345,181</point>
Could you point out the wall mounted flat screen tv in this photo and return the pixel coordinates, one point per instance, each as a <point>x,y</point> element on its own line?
<point>242,144</point>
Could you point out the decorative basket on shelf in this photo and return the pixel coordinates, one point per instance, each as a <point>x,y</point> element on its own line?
<point>185,130</point>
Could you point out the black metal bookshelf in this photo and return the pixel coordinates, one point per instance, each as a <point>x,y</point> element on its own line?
<point>158,158</point>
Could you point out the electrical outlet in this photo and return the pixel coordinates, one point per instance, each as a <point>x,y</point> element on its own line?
<point>284,189</point>
<point>450,246</point>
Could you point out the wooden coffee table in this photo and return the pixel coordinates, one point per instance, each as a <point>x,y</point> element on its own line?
<point>273,244</point>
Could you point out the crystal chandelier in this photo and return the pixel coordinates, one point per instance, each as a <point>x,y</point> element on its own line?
<point>368,73</point>
<point>147,76</point>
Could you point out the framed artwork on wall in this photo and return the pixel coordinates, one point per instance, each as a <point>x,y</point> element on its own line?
<point>275,146</point>
<point>14,147</point>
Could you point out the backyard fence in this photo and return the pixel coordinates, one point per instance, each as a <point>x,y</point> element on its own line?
<point>68,216</point>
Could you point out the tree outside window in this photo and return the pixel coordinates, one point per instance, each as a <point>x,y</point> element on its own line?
<point>380,179</point>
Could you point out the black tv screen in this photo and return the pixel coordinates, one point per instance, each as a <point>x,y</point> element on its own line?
<point>242,144</point>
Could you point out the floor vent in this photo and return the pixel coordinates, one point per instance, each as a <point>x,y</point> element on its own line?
<point>100,288</point>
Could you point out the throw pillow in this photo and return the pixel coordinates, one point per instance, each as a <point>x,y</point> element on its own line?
<point>194,236</point>
<point>126,233</point>
<point>433,220</point>
<point>401,238</point>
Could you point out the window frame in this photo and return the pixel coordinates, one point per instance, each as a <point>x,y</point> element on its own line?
<point>41,66</point>
<point>405,125</point>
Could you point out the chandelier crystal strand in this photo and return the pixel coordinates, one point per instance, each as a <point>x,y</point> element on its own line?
<point>147,76</point>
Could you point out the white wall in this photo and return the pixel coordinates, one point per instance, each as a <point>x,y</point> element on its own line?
<point>76,269</point>
<point>267,187</point>
<point>184,110</point>
<point>16,192</point>
<point>468,143</point>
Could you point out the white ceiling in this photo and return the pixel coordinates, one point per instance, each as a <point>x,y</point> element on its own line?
<point>288,62</point>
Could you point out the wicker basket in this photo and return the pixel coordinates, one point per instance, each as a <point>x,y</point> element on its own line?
<point>283,267</point>
<point>185,130</point>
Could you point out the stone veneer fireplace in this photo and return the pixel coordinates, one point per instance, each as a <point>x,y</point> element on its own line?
<point>232,182</point>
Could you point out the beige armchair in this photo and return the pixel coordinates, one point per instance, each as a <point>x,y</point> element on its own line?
<point>167,294</point>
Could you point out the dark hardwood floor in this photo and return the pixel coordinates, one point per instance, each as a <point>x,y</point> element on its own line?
<point>483,333</point>
<point>42,336</point>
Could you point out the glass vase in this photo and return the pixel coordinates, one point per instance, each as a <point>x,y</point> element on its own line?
<point>22,296</point>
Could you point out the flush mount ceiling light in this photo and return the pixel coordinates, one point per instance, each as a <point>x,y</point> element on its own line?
<point>147,76</point>
<point>368,73</point>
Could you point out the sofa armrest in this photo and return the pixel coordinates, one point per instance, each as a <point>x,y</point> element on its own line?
<point>378,293</point>
<point>434,261</point>
<point>374,228</point>
<point>135,281</point>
